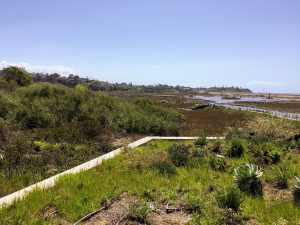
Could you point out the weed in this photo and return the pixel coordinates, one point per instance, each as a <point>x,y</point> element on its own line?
<point>268,152</point>
<point>193,202</point>
<point>139,213</point>
<point>230,197</point>
<point>201,141</point>
<point>283,173</point>
<point>217,162</point>
<point>217,147</point>
<point>178,154</point>
<point>198,152</point>
<point>165,168</point>
<point>236,147</point>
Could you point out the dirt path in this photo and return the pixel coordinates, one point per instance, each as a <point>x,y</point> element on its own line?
<point>118,211</point>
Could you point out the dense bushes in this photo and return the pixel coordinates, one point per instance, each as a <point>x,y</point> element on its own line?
<point>13,149</point>
<point>17,75</point>
<point>46,106</point>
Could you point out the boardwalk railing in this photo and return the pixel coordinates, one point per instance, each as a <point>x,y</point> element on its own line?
<point>9,199</point>
<point>293,116</point>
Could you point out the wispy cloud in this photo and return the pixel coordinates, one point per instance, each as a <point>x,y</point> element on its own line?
<point>263,83</point>
<point>60,69</point>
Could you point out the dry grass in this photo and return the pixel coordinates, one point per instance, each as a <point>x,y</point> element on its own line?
<point>273,127</point>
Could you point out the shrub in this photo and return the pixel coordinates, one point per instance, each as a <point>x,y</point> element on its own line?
<point>201,141</point>
<point>247,177</point>
<point>282,176</point>
<point>14,147</point>
<point>198,152</point>
<point>217,146</point>
<point>268,152</point>
<point>296,193</point>
<point>236,147</point>
<point>272,127</point>
<point>230,197</point>
<point>139,213</point>
<point>217,162</point>
<point>178,154</point>
<point>165,168</point>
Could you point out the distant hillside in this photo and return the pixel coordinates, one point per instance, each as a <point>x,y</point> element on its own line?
<point>96,85</point>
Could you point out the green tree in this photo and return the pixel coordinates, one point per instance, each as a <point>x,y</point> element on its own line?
<point>17,75</point>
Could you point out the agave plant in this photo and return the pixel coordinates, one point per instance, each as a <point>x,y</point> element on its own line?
<point>247,177</point>
<point>297,191</point>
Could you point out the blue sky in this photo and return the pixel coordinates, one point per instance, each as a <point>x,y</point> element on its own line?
<point>254,44</point>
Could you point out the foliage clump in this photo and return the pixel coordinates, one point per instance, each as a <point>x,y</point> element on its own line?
<point>179,154</point>
<point>193,202</point>
<point>201,141</point>
<point>165,168</point>
<point>296,193</point>
<point>283,173</point>
<point>217,162</point>
<point>229,197</point>
<point>198,152</point>
<point>236,147</point>
<point>216,147</point>
<point>17,75</point>
<point>268,152</point>
<point>267,128</point>
<point>247,177</point>
<point>139,213</point>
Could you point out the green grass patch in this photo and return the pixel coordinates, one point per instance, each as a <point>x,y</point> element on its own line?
<point>196,184</point>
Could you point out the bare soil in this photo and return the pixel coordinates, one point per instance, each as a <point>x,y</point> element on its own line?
<point>273,194</point>
<point>114,213</point>
<point>117,211</point>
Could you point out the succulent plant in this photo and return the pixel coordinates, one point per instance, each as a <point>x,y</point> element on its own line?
<point>247,177</point>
